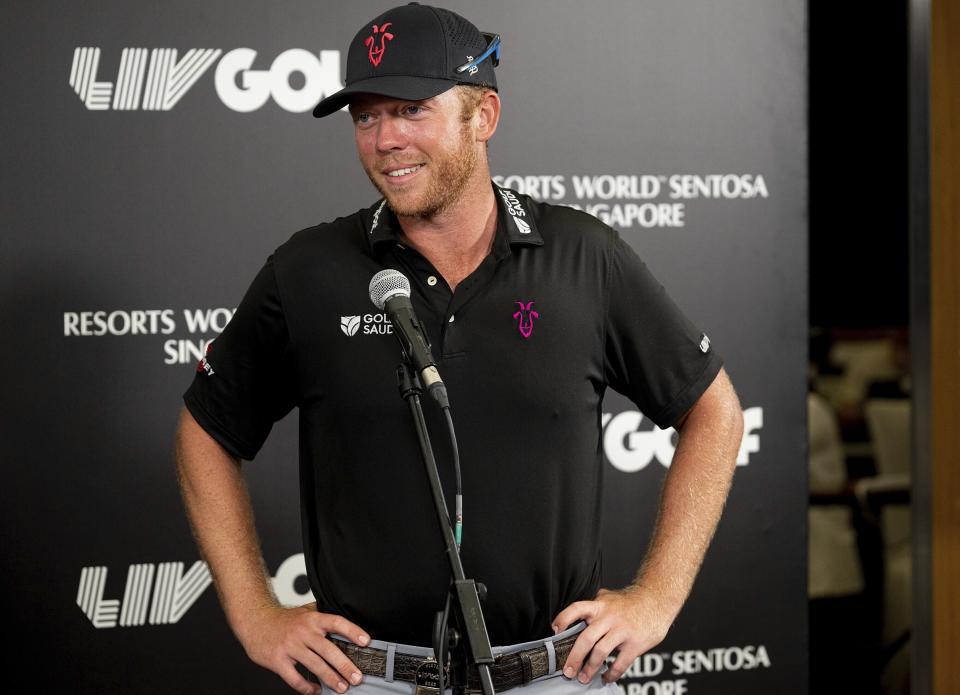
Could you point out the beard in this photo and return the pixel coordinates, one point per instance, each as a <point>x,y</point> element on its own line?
<point>447,177</point>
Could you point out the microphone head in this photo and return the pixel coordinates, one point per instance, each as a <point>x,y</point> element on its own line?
<point>386,284</point>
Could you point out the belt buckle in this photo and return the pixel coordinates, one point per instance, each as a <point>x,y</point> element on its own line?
<point>428,677</point>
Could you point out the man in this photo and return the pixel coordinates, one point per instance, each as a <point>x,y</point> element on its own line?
<point>533,310</point>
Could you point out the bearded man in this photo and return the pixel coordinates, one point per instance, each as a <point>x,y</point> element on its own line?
<point>527,385</point>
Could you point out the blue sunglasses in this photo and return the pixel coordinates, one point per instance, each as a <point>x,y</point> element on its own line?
<point>493,48</point>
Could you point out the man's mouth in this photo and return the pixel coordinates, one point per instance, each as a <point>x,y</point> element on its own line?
<point>397,173</point>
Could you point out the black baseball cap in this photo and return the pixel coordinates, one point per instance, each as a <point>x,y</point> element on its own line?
<point>414,52</point>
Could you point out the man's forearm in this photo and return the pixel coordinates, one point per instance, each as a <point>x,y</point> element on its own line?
<point>220,513</point>
<point>693,495</point>
<point>276,638</point>
<point>633,620</point>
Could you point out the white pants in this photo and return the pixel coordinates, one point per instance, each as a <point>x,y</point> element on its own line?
<point>550,684</point>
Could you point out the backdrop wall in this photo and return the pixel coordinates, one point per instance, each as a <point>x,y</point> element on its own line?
<point>154,154</point>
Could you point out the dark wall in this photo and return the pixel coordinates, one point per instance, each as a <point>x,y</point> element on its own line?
<point>158,216</point>
<point>858,165</point>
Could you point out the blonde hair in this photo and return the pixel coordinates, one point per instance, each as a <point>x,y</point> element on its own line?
<point>470,97</point>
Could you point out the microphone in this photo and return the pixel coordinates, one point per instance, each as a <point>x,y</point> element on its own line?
<point>390,292</point>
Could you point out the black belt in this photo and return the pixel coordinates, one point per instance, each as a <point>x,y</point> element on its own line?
<point>507,671</point>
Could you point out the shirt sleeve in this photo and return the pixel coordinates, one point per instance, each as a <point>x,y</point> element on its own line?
<point>654,355</point>
<point>244,384</point>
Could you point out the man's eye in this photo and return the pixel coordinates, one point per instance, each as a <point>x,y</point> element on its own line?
<point>363,118</point>
<point>414,109</point>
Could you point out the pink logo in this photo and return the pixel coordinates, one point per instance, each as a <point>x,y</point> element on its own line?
<point>525,317</point>
<point>374,49</point>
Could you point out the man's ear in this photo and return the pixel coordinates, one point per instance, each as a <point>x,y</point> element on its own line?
<point>488,116</point>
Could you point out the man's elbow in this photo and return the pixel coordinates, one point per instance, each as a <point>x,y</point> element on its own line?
<point>729,406</point>
<point>717,409</point>
<point>195,448</point>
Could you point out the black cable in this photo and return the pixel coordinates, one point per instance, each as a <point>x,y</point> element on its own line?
<point>458,524</point>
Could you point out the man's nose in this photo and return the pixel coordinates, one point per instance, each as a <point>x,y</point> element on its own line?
<point>390,134</point>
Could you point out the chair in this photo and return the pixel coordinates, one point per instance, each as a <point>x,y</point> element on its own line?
<point>834,563</point>
<point>889,423</point>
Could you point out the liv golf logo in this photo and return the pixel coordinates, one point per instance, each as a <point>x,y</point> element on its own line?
<point>167,599</point>
<point>160,594</point>
<point>157,79</point>
<point>630,449</point>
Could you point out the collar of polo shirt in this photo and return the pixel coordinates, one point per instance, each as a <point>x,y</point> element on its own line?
<point>515,224</point>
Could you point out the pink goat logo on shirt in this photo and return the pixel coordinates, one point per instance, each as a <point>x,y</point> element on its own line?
<point>525,316</point>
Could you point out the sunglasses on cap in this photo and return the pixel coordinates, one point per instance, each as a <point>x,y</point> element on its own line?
<point>493,49</point>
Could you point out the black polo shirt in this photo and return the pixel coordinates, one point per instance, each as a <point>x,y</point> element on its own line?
<point>559,310</point>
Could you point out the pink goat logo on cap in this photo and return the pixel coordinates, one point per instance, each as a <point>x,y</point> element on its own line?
<point>375,50</point>
<point>525,317</point>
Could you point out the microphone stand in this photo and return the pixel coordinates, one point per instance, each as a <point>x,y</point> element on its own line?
<point>468,642</point>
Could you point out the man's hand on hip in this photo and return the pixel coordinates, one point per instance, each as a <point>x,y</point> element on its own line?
<point>628,620</point>
<point>279,638</point>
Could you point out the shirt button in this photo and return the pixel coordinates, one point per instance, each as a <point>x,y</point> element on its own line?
<point>450,320</point>
<point>432,280</point>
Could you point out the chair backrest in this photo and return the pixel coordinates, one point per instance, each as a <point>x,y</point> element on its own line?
<point>833,561</point>
<point>863,361</point>
<point>888,420</point>
<point>828,471</point>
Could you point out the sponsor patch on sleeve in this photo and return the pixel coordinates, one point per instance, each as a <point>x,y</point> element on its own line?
<point>203,367</point>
